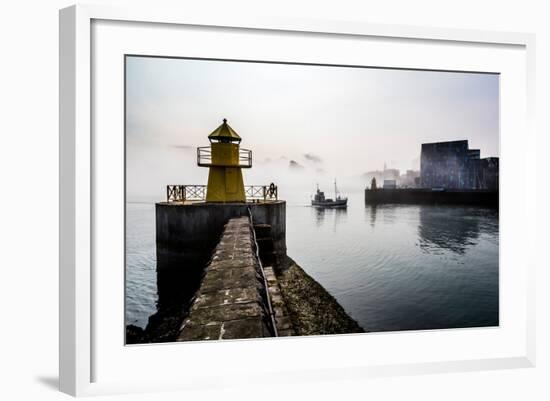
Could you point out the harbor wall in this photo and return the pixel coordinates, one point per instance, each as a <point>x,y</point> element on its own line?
<point>428,196</point>
<point>213,286</point>
<point>186,234</point>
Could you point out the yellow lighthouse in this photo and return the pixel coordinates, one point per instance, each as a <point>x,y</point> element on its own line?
<point>225,159</point>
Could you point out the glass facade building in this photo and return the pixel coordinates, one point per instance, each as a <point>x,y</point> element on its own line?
<point>452,165</point>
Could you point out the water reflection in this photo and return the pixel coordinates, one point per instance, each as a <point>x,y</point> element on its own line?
<point>385,213</point>
<point>325,215</point>
<point>447,228</point>
<point>372,214</point>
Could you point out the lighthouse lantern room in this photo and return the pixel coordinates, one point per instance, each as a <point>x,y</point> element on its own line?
<point>225,159</point>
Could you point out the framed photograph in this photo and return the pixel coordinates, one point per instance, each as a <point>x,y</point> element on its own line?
<point>269,199</point>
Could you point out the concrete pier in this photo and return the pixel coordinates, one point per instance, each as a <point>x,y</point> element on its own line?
<point>232,301</point>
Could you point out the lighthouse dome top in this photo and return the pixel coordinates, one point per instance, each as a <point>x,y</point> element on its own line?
<point>224,133</point>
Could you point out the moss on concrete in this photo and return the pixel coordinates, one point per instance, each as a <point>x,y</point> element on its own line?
<point>311,308</point>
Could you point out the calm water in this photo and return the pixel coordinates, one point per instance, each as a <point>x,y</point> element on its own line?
<point>141,259</point>
<point>390,267</point>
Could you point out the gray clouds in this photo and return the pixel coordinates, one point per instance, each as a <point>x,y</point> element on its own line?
<point>312,158</point>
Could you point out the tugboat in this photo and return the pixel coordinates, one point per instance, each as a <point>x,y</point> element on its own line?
<point>319,199</point>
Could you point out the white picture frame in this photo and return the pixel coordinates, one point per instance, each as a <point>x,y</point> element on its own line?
<point>79,344</point>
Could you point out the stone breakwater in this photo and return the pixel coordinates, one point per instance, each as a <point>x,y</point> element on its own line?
<point>232,301</point>
<point>311,309</point>
<point>242,295</point>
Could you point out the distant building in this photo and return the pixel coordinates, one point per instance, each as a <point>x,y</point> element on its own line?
<point>488,175</point>
<point>473,154</point>
<point>410,179</point>
<point>474,168</point>
<point>444,164</point>
<point>390,184</point>
<point>377,174</point>
<point>391,174</point>
<point>373,185</point>
<point>381,175</point>
<point>453,165</point>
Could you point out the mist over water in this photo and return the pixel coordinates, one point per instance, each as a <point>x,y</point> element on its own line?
<point>392,267</point>
<point>150,169</point>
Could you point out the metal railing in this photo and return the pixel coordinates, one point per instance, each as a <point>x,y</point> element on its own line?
<point>204,158</point>
<point>261,192</point>
<point>264,278</point>
<point>182,193</point>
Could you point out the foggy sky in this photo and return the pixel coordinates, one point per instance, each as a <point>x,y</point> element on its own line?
<point>332,121</point>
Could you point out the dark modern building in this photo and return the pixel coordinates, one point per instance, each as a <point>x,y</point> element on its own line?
<point>474,168</point>
<point>452,165</point>
<point>488,175</point>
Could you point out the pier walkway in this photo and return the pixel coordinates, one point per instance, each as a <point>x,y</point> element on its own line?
<point>233,301</point>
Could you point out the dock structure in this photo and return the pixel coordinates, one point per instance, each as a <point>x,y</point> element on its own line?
<point>428,196</point>
<point>234,298</point>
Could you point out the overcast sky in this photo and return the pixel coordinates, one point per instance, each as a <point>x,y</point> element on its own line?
<point>333,121</point>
